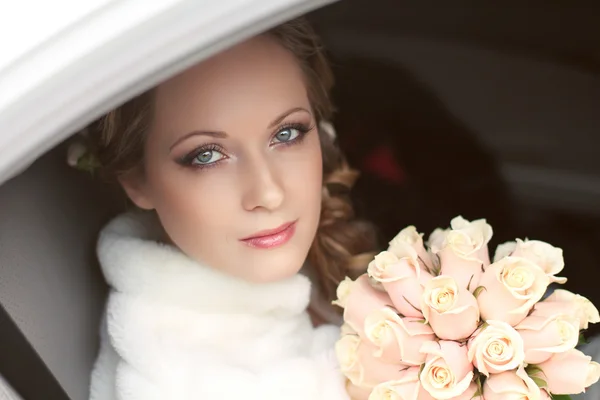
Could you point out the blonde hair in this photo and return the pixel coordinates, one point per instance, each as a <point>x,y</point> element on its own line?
<point>343,245</point>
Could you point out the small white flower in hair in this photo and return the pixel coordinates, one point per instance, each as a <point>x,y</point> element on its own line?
<point>74,153</point>
<point>328,128</point>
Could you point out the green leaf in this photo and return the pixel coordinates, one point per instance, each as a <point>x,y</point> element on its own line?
<point>483,326</point>
<point>533,370</point>
<point>539,381</point>
<point>479,391</point>
<point>421,369</point>
<point>469,285</point>
<point>582,339</point>
<point>561,397</point>
<point>478,291</point>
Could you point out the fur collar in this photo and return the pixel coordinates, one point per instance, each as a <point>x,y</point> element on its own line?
<point>175,329</point>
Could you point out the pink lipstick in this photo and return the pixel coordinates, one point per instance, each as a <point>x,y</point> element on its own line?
<point>271,238</point>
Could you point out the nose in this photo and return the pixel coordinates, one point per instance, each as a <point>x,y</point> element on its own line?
<point>263,186</point>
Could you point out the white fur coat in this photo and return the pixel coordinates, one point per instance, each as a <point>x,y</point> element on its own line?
<point>178,330</point>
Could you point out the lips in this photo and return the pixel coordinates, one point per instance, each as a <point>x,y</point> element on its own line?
<point>271,238</point>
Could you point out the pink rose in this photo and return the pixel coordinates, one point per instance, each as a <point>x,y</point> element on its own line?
<point>545,336</point>
<point>464,252</point>
<point>510,288</point>
<point>495,348</point>
<point>564,302</point>
<point>397,339</point>
<point>410,237</point>
<point>407,387</point>
<point>362,300</point>
<point>447,372</point>
<point>451,310</point>
<point>357,363</point>
<point>469,394</point>
<point>466,272</point>
<point>570,372</point>
<point>546,256</point>
<point>402,277</point>
<point>509,385</point>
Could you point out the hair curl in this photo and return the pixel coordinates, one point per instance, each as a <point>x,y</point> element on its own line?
<point>343,245</point>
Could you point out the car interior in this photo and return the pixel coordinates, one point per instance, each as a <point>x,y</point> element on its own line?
<point>454,109</point>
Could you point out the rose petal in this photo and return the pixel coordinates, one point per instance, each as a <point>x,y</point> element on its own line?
<point>410,237</point>
<point>570,372</point>
<point>495,348</point>
<point>543,336</point>
<point>451,358</point>
<point>452,311</point>
<point>363,300</point>
<point>397,339</point>
<point>514,384</point>
<point>511,287</point>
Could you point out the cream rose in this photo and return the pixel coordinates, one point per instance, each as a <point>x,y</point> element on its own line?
<point>469,240</point>
<point>447,372</point>
<point>495,348</point>
<point>511,385</point>
<point>402,277</point>
<point>564,302</point>
<point>360,301</point>
<point>570,372</point>
<point>436,239</point>
<point>510,288</point>
<point>357,363</point>
<point>451,311</point>
<point>407,387</point>
<point>410,237</point>
<point>343,292</point>
<point>545,336</point>
<point>548,257</point>
<point>396,338</point>
<point>464,252</point>
<point>346,351</point>
<point>504,250</point>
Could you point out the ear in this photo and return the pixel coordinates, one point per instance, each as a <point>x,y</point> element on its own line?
<point>137,190</point>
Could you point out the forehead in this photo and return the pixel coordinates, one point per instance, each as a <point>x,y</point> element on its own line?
<point>257,77</point>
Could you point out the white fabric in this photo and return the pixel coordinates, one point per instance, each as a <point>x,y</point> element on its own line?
<point>7,392</point>
<point>175,329</point>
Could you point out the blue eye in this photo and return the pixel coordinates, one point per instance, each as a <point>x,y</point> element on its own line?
<point>207,157</point>
<point>287,135</point>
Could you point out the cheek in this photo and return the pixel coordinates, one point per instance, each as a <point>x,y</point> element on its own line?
<point>194,205</point>
<point>306,177</point>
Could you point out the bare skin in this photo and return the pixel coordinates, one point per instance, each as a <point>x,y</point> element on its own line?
<point>233,151</point>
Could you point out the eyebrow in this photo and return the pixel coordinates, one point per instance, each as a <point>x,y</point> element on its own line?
<point>283,116</point>
<point>223,135</point>
<point>214,134</point>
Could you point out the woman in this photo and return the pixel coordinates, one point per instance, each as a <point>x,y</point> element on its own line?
<point>242,196</point>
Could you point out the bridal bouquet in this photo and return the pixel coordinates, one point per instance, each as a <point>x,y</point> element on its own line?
<point>443,322</point>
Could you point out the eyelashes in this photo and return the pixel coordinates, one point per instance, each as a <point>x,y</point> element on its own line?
<point>211,155</point>
<point>197,158</point>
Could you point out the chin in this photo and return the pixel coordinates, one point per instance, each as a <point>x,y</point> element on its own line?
<point>273,267</point>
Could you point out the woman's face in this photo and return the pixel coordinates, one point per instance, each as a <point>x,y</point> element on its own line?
<point>233,163</point>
